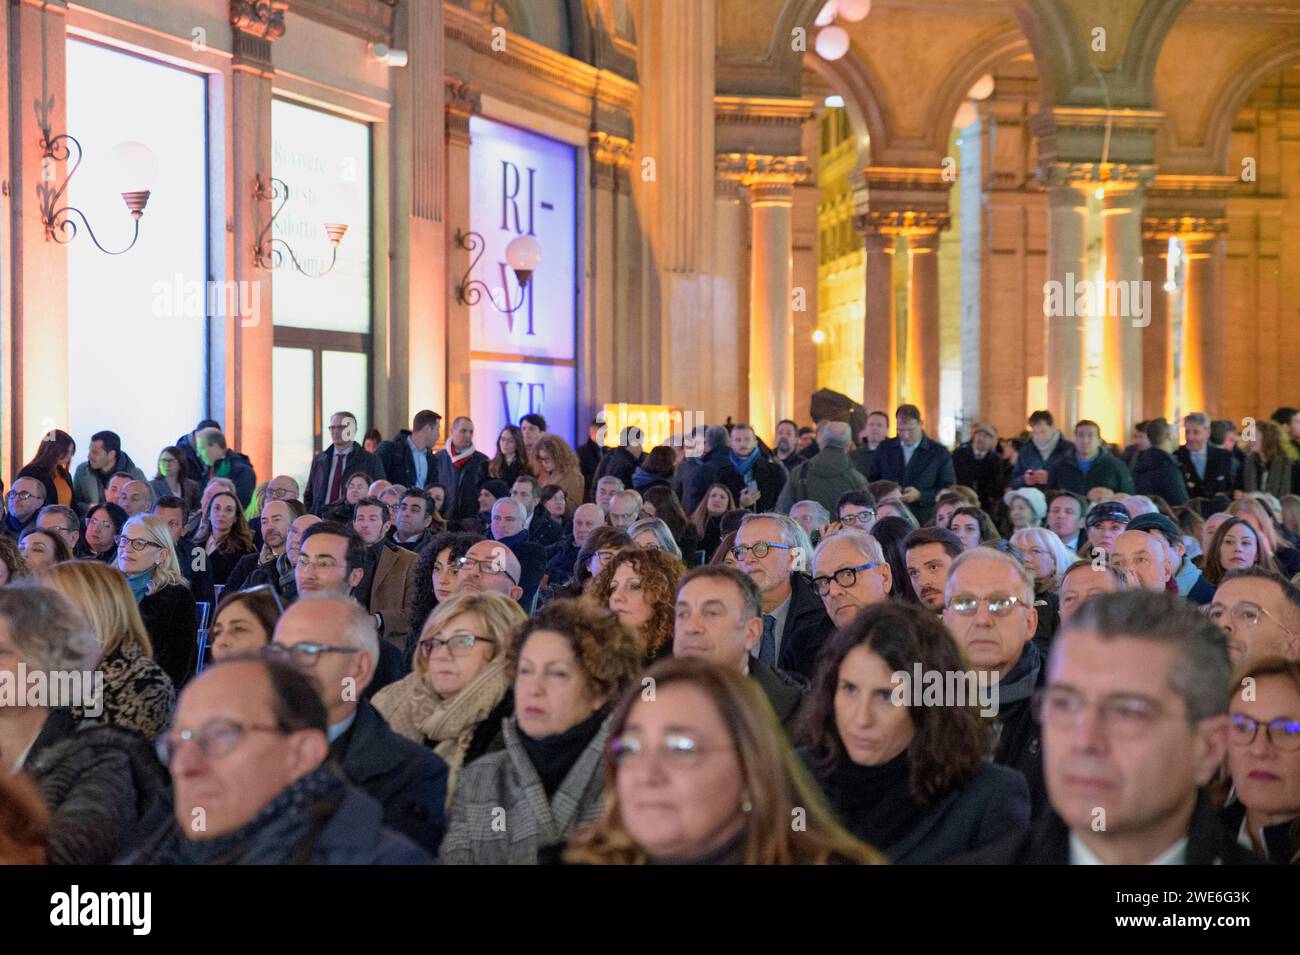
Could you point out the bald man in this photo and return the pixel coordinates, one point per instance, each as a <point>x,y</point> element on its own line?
<point>585,520</point>
<point>334,641</point>
<point>136,497</point>
<point>489,565</point>
<point>1144,559</point>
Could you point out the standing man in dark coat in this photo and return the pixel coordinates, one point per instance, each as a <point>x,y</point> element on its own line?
<point>589,454</point>
<point>921,466</point>
<point>1131,793</point>
<point>1045,449</point>
<point>330,469</point>
<point>977,465</point>
<point>716,456</point>
<point>869,441</point>
<point>752,479</point>
<point>461,470</point>
<point>621,462</point>
<point>1156,470</point>
<point>409,781</point>
<point>1207,470</point>
<point>225,462</point>
<point>407,457</point>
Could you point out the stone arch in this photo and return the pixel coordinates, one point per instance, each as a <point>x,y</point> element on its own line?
<point>868,113</point>
<point>1255,68</point>
<point>984,58</point>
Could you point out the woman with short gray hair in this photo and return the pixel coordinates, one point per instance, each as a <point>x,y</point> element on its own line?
<point>97,781</point>
<point>652,532</point>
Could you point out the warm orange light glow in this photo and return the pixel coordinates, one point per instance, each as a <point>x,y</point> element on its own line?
<point>656,422</point>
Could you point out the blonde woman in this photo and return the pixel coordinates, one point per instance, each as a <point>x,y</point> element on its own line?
<point>146,555</point>
<point>138,694</point>
<point>1045,555</point>
<point>458,691</point>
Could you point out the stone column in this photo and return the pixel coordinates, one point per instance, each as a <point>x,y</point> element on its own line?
<point>1122,234</point>
<point>607,271</point>
<point>1156,356</point>
<point>676,50</point>
<point>769,183</point>
<point>879,347</point>
<point>1067,209</point>
<point>1203,323</point>
<point>244,406</point>
<point>923,324</point>
<point>34,314</point>
<point>417,374</point>
<point>462,101</point>
<point>727,380</point>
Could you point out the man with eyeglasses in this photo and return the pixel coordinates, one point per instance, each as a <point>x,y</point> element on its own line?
<point>849,573</point>
<point>989,609</point>
<point>332,639</point>
<point>327,481</point>
<point>282,488</point>
<point>773,552</point>
<point>22,504</point>
<point>489,565</point>
<point>507,527</point>
<point>855,509</point>
<point>1259,610</point>
<point>812,517</point>
<point>719,617</point>
<point>387,587</point>
<point>624,509</point>
<point>1134,725</point>
<point>60,520</point>
<point>248,756</point>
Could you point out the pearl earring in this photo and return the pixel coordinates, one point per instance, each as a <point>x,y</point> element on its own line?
<point>747,806</point>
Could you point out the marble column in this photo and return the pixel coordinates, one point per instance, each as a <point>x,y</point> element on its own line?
<point>1122,234</point>
<point>729,395</point>
<point>1202,323</point>
<point>770,186</point>
<point>607,272</point>
<point>923,325</point>
<point>418,312</point>
<point>1157,367</point>
<point>879,347</point>
<point>1066,216</point>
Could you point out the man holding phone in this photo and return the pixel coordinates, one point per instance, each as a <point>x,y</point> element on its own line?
<point>747,472</point>
<point>1047,447</point>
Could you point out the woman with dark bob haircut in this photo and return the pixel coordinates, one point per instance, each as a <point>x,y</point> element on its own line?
<point>568,663</point>
<point>727,784</point>
<point>912,779</point>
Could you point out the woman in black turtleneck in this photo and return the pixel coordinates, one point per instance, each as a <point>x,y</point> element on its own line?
<point>519,805</point>
<point>911,779</point>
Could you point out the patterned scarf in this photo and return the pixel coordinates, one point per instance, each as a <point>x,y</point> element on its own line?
<point>283,832</point>
<point>415,711</point>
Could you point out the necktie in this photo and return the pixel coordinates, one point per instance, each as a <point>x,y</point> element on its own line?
<point>336,481</point>
<point>767,649</point>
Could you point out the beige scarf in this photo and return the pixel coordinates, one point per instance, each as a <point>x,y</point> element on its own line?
<point>415,711</point>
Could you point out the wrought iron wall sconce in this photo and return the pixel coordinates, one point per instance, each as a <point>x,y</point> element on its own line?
<point>137,168</point>
<point>267,253</point>
<point>523,255</point>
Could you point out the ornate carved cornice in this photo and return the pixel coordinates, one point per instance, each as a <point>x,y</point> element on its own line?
<point>752,168</point>
<point>1096,119</point>
<point>1193,187</point>
<point>762,111</point>
<point>609,150</point>
<point>902,222</point>
<point>1184,227</point>
<point>906,178</point>
<point>1089,174</point>
<point>263,19</point>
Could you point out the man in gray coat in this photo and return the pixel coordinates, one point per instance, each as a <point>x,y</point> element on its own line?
<point>827,475</point>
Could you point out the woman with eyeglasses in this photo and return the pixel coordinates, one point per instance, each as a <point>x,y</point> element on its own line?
<point>707,519</point>
<point>602,544</point>
<point>702,775</point>
<point>458,692</point>
<point>41,549</point>
<point>229,538</point>
<point>910,778</point>
<point>146,555</point>
<point>640,585</point>
<point>96,781</point>
<point>568,662</point>
<point>1264,760</point>
<point>170,480</point>
<point>138,693</point>
<point>244,622</point>
<point>99,536</point>
<point>1047,558</point>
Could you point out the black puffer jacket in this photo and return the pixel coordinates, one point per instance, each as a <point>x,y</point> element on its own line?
<point>97,781</point>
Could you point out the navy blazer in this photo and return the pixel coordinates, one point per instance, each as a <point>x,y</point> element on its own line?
<point>1221,473</point>
<point>929,471</point>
